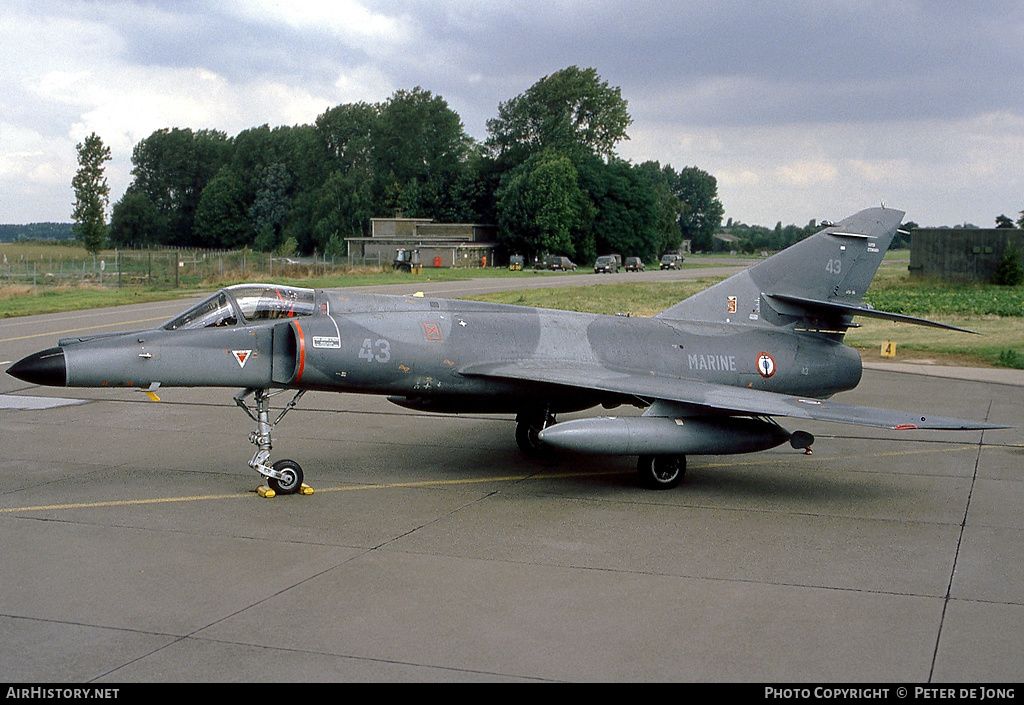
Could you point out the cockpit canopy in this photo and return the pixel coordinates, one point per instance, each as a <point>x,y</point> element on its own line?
<point>246,303</point>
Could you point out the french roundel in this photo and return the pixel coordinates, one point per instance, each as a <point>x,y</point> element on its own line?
<point>765,365</point>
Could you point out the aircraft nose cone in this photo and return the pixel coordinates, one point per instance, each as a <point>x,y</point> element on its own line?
<point>47,367</point>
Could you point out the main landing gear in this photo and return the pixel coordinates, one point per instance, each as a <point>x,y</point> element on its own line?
<point>661,472</point>
<point>284,476</point>
<point>528,425</point>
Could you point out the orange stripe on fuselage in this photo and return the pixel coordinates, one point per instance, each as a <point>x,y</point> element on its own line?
<point>302,352</point>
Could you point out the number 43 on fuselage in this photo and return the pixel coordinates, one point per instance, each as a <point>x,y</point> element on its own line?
<point>711,372</point>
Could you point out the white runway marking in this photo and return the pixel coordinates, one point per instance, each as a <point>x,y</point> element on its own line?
<point>10,401</point>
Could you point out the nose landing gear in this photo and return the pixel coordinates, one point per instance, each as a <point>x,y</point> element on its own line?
<point>284,476</point>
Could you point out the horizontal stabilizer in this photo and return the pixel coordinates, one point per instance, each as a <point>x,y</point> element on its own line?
<point>816,308</point>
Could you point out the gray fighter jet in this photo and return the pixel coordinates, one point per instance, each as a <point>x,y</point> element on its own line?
<point>711,372</point>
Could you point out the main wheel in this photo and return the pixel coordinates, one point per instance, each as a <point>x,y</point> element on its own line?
<point>527,430</point>
<point>291,480</point>
<point>661,472</point>
<point>526,438</point>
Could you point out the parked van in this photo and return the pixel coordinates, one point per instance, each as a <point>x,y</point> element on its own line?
<point>562,263</point>
<point>606,263</point>
<point>671,261</point>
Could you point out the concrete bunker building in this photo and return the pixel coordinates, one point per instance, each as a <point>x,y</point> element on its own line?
<point>449,245</point>
<point>961,254</point>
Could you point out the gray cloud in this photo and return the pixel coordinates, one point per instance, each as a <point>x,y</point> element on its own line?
<point>794,105</point>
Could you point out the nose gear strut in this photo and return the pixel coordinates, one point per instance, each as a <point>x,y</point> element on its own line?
<point>284,476</point>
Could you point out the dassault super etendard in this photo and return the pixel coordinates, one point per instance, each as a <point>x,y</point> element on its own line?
<point>711,372</point>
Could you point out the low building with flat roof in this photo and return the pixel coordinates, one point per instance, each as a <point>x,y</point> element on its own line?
<point>961,254</point>
<point>437,244</point>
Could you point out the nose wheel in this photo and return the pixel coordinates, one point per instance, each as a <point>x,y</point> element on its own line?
<point>288,479</point>
<point>283,476</point>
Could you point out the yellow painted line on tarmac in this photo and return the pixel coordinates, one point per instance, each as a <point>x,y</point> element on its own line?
<point>121,324</point>
<point>922,451</point>
<point>448,483</point>
<point>474,481</point>
<point>118,503</point>
<point>896,453</point>
<point>822,456</point>
<point>349,488</point>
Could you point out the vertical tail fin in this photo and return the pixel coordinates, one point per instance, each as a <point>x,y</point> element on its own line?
<point>818,280</point>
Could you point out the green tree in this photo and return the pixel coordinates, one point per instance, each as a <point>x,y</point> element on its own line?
<point>221,217</point>
<point>298,151</point>
<point>171,168</point>
<point>344,207</point>
<point>473,192</point>
<point>345,133</point>
<point>419,148</point>
<point>1010,271</point>
<point>540,208</point>
<point>342,204</point>
<point>317,184</point>
<point>1004,221</point>
<point>571,111</point>
<point>135,221</point>
<point>92,194</point>
<point>270,207</point>
<point>667,234</point>
<point>701,212</point>
<point>635,212</point>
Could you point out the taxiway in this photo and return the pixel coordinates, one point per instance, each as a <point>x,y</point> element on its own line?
<point>136,550</point>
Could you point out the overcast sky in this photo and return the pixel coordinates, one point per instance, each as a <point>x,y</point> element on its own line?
<point>800,108</point>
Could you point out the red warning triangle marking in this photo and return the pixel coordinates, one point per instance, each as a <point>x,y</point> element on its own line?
<point>241,356</point>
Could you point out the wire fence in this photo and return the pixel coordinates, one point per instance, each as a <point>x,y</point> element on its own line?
<point>169,269</point>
